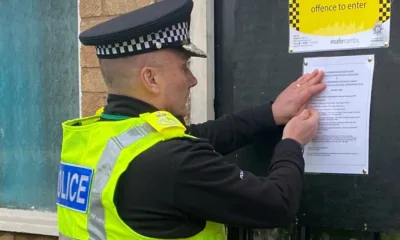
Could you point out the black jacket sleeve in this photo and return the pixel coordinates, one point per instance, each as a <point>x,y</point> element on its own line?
<point>233,131</point>
<point>210,188</point>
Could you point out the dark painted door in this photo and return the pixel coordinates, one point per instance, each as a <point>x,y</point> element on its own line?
<point>253,66</point>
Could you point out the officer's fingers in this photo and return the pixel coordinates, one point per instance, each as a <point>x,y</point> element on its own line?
<point>307,77</point>
<point>308,92</point>
<point>316,79</point>
<point>314,115</point>
<point>305,106</point>
<point>313,90</point>
<point>317,88</point>
<point>303,79</point>
<point>304,114</point>
<point>305,95</point>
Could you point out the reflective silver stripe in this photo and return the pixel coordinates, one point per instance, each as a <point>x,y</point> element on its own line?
<point>63,237</point>
<point>96,221</point>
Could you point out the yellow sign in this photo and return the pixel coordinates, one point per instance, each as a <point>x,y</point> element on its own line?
<point>328,25</point>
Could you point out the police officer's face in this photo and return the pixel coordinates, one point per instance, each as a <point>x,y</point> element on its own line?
<point>178,80</point>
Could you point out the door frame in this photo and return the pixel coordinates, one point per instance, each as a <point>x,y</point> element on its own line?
<point>203,36</point>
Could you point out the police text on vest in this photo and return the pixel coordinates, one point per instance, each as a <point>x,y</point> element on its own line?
<point>74,184</point>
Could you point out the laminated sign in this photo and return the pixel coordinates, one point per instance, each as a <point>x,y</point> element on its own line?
<point>330,25</point>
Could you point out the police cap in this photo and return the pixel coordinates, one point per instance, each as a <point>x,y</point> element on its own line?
<point>161,25</point>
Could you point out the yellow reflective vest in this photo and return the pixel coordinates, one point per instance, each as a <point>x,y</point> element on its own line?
<point>94,155</point>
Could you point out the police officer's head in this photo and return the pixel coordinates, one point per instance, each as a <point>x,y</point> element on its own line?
<point>145,53</point>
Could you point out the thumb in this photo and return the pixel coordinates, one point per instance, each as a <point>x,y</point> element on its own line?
<point>314,113</point>
<point>304,114</point>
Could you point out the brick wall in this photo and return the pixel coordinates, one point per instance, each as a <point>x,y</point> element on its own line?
<point>10,236</point>
<point>93,12</point>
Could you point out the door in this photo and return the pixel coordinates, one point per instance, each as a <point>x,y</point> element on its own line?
<point>253,66</point>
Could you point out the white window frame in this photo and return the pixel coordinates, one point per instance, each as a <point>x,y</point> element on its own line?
<point>26,221</point>
<point>202,109</point>
<point>202,35</point>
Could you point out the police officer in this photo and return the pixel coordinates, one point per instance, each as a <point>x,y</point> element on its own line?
<point>137,172</point>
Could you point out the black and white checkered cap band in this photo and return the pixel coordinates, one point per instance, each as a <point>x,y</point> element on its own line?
<point>177,32</point>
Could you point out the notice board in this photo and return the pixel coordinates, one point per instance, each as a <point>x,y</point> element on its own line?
<point>253,65</point>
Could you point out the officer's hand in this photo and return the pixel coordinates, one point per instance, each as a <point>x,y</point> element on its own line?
<point>303,127</point>
<point>296,97</point>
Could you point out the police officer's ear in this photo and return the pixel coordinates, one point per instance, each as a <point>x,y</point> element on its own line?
<point>148,76</point>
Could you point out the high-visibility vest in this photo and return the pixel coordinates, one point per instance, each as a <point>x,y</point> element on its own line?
<point>94,155</point>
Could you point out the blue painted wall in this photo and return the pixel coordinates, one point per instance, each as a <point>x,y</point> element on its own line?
<point>39,88</point>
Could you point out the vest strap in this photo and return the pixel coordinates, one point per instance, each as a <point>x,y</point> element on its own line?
<point>63,237</point>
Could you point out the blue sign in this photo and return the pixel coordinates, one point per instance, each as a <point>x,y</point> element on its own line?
<point>74,183</point>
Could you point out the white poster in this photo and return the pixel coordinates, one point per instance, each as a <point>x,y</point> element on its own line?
<point>342,141</point>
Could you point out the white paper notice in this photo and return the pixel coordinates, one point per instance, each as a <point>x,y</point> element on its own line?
<point>341,145</point>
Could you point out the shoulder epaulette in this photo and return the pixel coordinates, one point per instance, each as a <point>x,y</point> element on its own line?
<point>165,123</point>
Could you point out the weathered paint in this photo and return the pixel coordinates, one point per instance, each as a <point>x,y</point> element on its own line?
<point>39,88</point>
